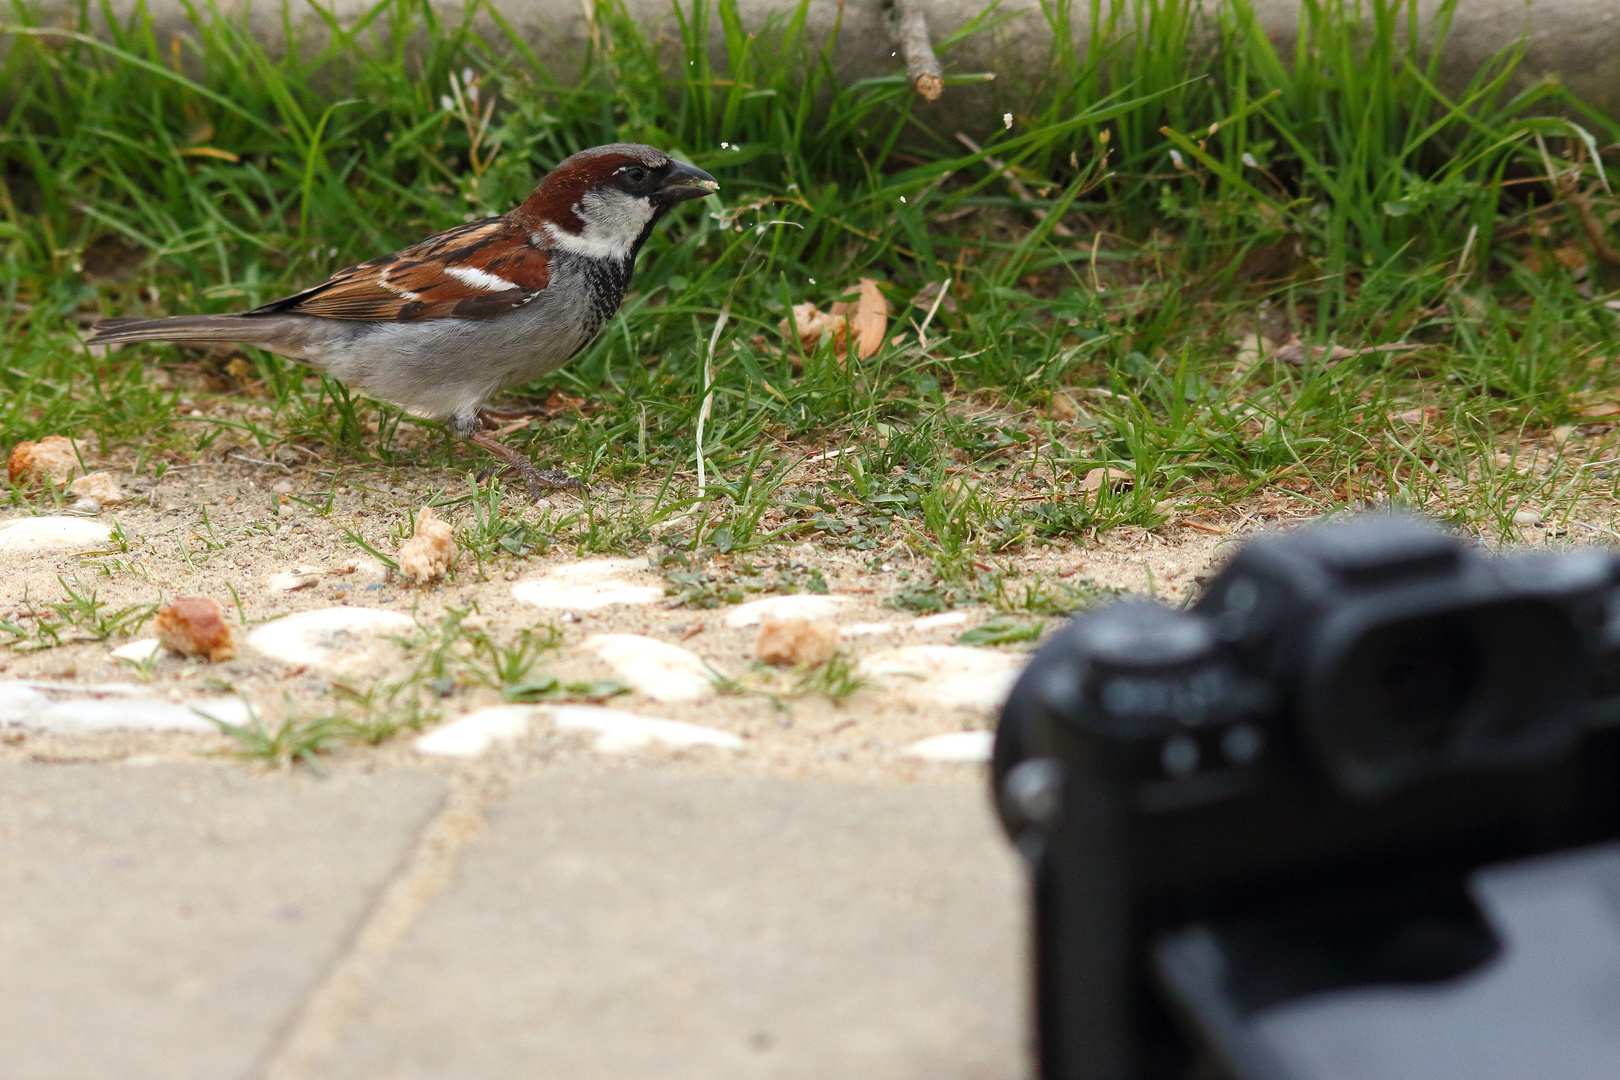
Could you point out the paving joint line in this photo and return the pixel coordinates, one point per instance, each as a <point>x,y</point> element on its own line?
<point>326,1010</point>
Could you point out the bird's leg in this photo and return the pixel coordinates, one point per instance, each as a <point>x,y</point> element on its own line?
<point>539,482</point>
<point>497,416</point>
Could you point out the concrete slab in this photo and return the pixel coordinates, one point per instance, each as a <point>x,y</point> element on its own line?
<point>642,924</point>
<point>164,922</point>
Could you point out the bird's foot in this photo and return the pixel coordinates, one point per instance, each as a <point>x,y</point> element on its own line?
<point>539,482</point>
<point>498,416</point>
<point>542,481</point>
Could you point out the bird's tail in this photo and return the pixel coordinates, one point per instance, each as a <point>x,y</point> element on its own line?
<point>179,328</point>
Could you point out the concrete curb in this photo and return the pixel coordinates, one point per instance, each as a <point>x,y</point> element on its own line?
<point>1577,41</point>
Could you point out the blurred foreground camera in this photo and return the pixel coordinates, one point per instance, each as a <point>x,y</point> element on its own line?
<point>1345,817</point>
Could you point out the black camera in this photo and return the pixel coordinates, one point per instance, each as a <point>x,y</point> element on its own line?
<point>1306,828</point>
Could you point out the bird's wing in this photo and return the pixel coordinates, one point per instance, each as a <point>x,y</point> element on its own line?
<point>473,271</point>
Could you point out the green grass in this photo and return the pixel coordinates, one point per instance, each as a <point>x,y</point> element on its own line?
<point>1207,189</point>
<point>79,616</point>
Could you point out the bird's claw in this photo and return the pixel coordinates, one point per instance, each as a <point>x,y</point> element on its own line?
<point>552,480</point>
<point>540,482</point>
<point>495,417</point>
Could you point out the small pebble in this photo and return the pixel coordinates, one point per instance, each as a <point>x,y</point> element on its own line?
<point>138,651</point>
<point>616,731</point>
<point>291,581</point>
<point>53,534</point>
<point>866,629</point>
<point>794,606</point>
<point>99,487</point>
<point>52,458</point>
<point>656,668</point>
<point>796,642</point>
<point>196,626</point>
<point>958,747</point>
<point>589,585</point>
<point>472,735</point>
<point>38,706</point>
<point>953,676</point>
<point>334,638</point>
<point>943,619</point>
<point>619,732</point>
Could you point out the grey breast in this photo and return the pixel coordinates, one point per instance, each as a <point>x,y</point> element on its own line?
<point>445,367</point>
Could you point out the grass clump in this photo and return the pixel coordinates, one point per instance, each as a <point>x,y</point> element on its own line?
<point>81,615</point>
<point>691,583</point>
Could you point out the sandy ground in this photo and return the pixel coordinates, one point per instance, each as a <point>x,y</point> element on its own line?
<point>207,530</point>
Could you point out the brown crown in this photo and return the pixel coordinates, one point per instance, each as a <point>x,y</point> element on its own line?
<point>563,187</point>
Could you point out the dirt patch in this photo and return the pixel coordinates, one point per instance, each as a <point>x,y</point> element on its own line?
<point>225,532</point>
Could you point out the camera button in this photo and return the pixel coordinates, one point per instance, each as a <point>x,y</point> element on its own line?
<point>1242,743</point>
<point>1179,756</point>
<point>1034,788</point>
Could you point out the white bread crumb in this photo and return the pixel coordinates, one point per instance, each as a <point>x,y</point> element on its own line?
<point>431,552</point>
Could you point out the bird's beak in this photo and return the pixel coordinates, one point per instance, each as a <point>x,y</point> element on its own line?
<point>686,182</point>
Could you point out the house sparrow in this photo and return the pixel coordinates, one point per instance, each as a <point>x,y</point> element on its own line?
<point>442,326</point>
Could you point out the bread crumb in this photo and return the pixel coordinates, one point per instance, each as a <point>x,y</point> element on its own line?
<point>431,552</point>
<point>809,323</point>
<point>195,626</point>
<point>51,458</point>
<point>100,486</point>
<point>1064,406</point>
<point>796,642</point>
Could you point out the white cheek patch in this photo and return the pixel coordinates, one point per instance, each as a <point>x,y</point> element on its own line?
<point>613,223</point>
<point>479,279</point>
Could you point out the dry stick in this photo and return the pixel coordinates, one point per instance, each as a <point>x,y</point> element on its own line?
<point>909,29</point>
<point>939,298</point>
<point>1567,185</point>
<point>1017,185</point>
<point>708,391</point>
<point>1595,231</point>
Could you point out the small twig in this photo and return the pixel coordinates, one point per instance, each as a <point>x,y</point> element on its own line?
<point>922,331</point>
<point>1595,231</point>
<point>1597,529</point>
<point>908,26</point>
<point>708,392</point>
<point>1023,193</point>
<point>256,461</point>
<point>1567,185</point>
<point>1204,526</point>
<point>1468,248</point>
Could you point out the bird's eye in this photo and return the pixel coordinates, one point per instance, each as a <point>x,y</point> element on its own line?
<point>635,174</point>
